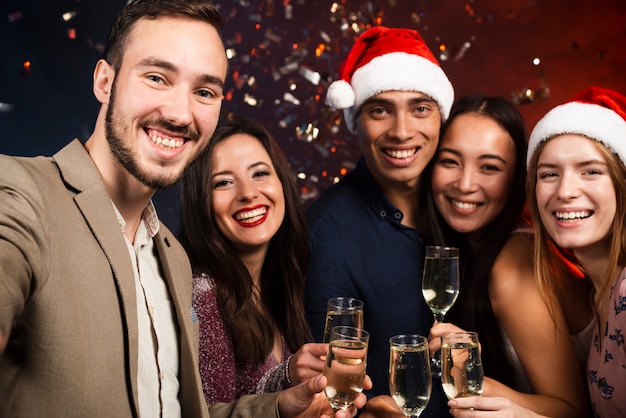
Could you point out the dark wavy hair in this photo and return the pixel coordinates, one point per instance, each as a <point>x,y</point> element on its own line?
<point>282,275</point>
<point>473,310</point>
<point>115,47</point>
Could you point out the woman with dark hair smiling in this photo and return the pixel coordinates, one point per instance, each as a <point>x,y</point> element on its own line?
<point>474,189</point>
<point>244,229</point>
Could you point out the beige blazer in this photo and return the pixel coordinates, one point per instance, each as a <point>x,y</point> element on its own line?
<point>67,298</point>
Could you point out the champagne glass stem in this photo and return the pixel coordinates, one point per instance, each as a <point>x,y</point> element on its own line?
<point>435,364</point>
<point>435,361</point>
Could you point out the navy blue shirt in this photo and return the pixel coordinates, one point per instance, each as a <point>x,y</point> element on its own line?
<point>359,248</point>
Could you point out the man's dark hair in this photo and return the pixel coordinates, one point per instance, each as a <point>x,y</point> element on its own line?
<point>152,9</point>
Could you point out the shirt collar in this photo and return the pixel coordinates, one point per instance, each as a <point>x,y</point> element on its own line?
<point>149,217</point>
<point>374,196</point>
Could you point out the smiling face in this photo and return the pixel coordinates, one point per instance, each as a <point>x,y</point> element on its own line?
<point>247,195</point>
<point>398,133</point>
<point>575,194</point>
<point>473,172</point>
<point>164,101</point>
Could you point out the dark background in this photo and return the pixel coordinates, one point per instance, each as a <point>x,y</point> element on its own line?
<point>285,54</point>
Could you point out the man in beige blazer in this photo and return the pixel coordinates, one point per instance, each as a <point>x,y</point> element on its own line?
<point>95,294</point>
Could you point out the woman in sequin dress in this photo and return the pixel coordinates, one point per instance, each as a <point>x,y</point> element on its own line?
<point>244,229</point>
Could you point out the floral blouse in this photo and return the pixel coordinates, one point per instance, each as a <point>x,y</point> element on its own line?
<point>606,365</point>
<point>224,377</point>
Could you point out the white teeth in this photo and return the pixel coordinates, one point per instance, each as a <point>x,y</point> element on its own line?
<point>463,205</point>
<point>251,216</point>
<point>165,142</point>
<point>565,216</point>
<point>400,153</point>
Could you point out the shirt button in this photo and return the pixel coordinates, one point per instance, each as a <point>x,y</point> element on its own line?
<point>383,214</point>
<point>397,215</point>
<point>162,375</point>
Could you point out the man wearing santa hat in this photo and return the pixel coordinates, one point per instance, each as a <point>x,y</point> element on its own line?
<point>363,230</point>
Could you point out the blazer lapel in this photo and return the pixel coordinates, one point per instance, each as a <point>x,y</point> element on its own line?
<point>177,274</point>
<point>173,274</point>
<point>80,173</point>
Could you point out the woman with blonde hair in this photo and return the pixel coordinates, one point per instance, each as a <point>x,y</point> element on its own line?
<point>577,188</point>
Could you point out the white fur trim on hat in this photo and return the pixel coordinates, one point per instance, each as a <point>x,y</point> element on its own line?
<point>340,95</point>
<point>591,120</point>
<point>404,72</point>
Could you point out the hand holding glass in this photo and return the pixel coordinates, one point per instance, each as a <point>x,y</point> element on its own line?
<point>345,365</point>
<point>461,366</point>
<point>343,311</point>
<point>410,382</point>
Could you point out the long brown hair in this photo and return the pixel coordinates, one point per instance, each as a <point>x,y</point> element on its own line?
<point>282,275</point>
<point>551,261</point>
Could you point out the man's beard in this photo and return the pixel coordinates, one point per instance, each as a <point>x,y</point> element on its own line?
<point>127,158</point>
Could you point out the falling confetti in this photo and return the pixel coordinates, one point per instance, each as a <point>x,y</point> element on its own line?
<point>283,54</point>
<point>15,16</point>
<point>6,107</point>
<point>67,16</point>
<point>26,68</point>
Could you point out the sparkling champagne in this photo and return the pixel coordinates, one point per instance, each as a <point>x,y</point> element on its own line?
<point>461,369</point>
<point>409,378</point>
<point>440,284</point>
<point>350,318</point>
<point>345,371</point>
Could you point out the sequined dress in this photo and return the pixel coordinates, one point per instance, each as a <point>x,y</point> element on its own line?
<point>224,377</point>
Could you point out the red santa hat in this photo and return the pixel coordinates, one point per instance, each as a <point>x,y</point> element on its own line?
<point>595,112</point>
<point>384,59</point>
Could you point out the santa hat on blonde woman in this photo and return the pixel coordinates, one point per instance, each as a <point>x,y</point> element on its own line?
<point>595,112</point>
<point>384,59</point>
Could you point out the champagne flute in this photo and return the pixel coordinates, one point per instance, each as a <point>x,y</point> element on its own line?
<point>343,311</point>
<point>440,281</point>
<point>440,285</point>
<point>410,382</point>
<point>344,367</point>
<point>461,367</point>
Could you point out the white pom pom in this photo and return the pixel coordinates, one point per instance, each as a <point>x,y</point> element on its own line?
<point>340,95</point>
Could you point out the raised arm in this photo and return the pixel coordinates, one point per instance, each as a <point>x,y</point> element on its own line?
<point>303,400</point>
<point>543,345</point>
<point>304,364</point>
<point>24,252</point>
